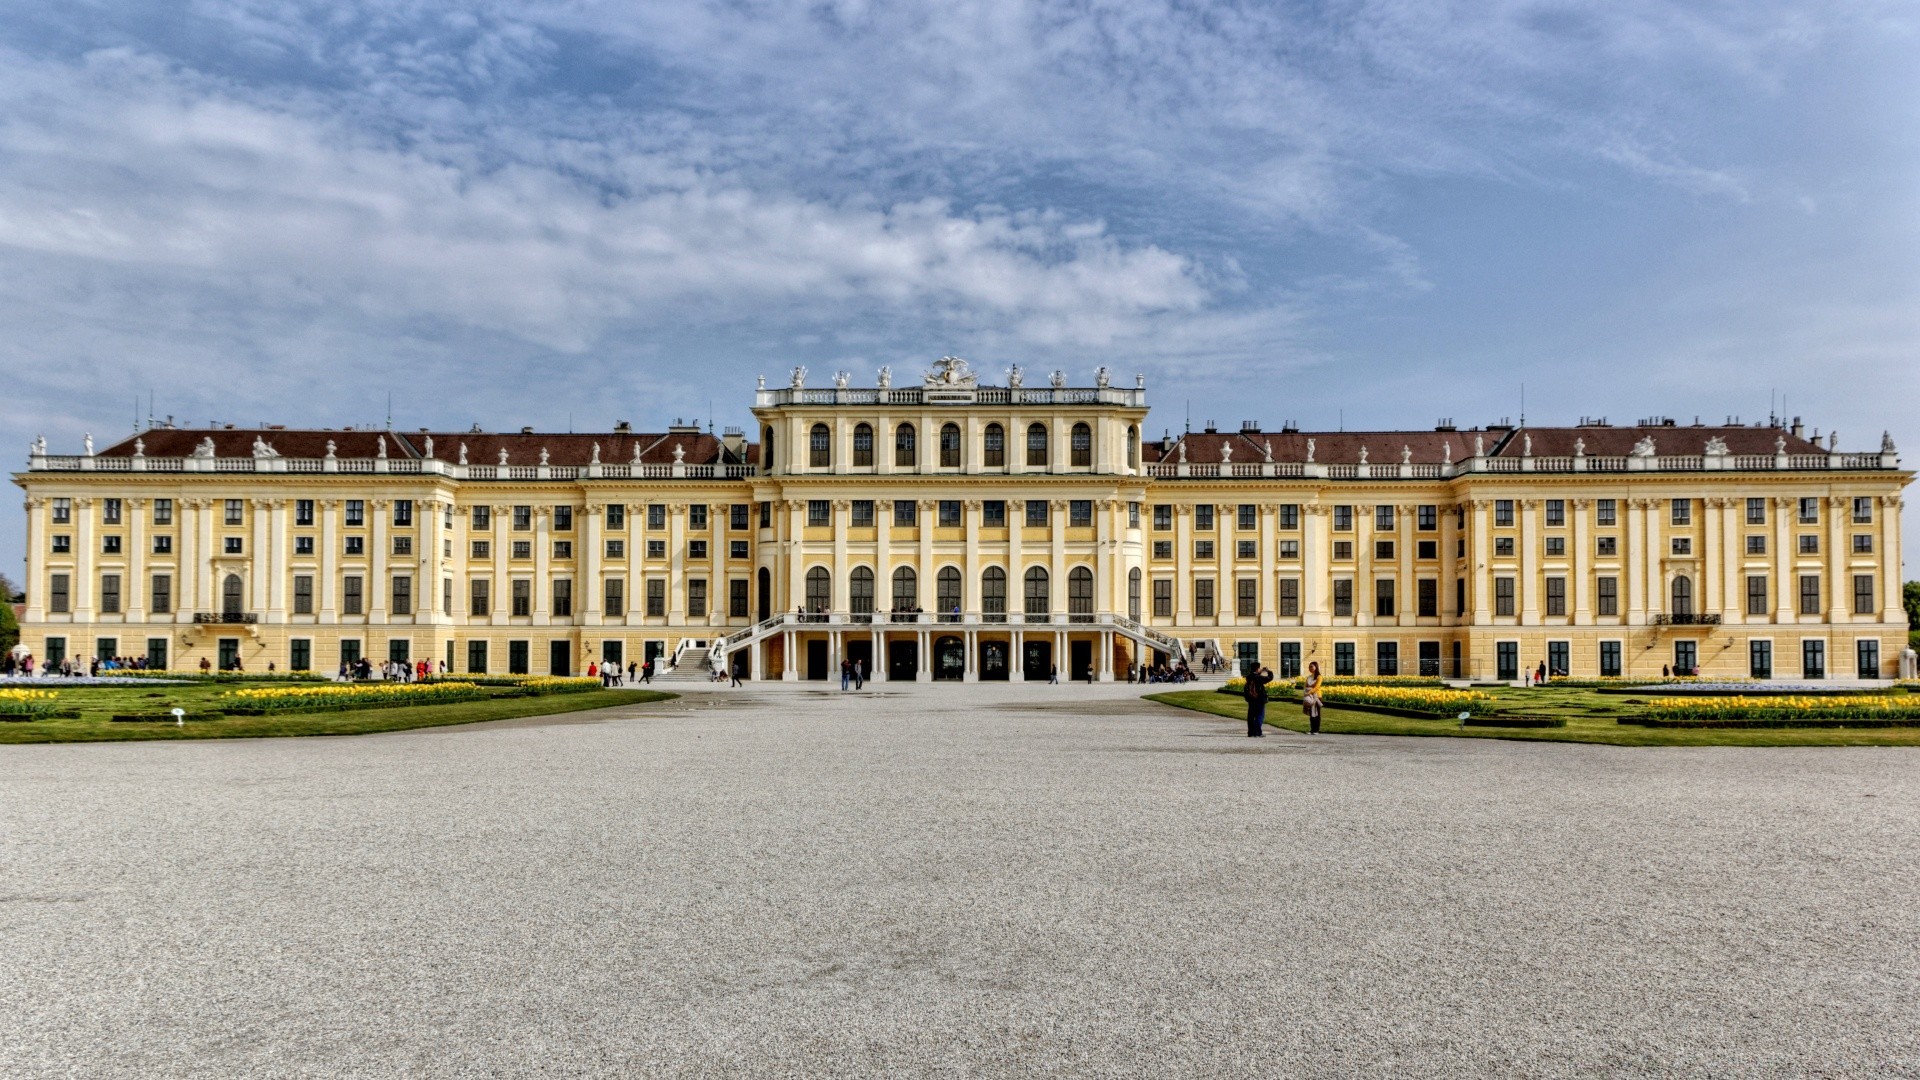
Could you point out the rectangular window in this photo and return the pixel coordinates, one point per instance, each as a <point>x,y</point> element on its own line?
<point>482,549</point>
<point>1810,511</point>
<point>1162,598</point>
<point>1289,549</point>
<point>697,516</point>
<point>1503,596</point>
<point>1290,597</point>
<point>613,595</point>
<point>819,513</point>
<point>1342,550</point>
<point>1606,545</point>
<point>303,594</point>
<point>737,598</point>
<point>1246,602</point>
<point>906,513</point>
<point>616,549</point>
<point>1343,597</point>
<point>1681,511</point>
<point>1756,594</point>
<point>656,549</point>
<point>1203,550</point>
<point>351,600</point>
<point>1386,658</point>
<point>1133,515</point>
<point>656,597</point>
<point>1756,511</point>
<point>1682,545</point>
<point>1289,515</point>
<point>163,511</point>
<point>110,511</point>
<point>1556,512</point>
<point>403,545</point>
<point>1202,596</point>
<point>522,519</point>
<point>235,511</point>
<point>233,545</point>
<point>446,596</point>
<point>1810,544</point>
<point>1606,596</point>
<point>1503,512</point>
<point>1760,659</point>
<point>1383,598</point>
<point>1863,600</point>
<point>1813,659</point>
<point>562,518</point>
<point>1163,549</point>
<point>1383,549</point>
<point>1203,517</point>
<point>110,545</point>
<point>403,512</point>
<point>1862,510</point>
<point>1247,517</point>
<point>1289,660</point>
<point>862,514</point>
<point>1428,518</point>
<point>1459,596</point>
<point>1757,544</point>
<point>562,597</point>
<point>62,511</point>
<point>522,549</point>
<point>1429,598</point>
<point>656,516</point>
<point>1609,659</point>
<point>1603,512</point>
<point>697,550</point>
<point>161,594</point>
<point>616,515</point>
<point>483,517</point>
<point>1080,513</point>
<point>1809,594</point>
<point>697,597</point>
<point>1556,596</point>
<point>1343,519</point>
<point>1556,545</point>
<point>1036,513</point>
<point>1162,517</point>
<point>1867,659</point>
<point>1863,543</point>
<point>109,594</point>
<point>1383,518</point>
<point>479,602</point>
<point>1503,546</point>
<point>522,597</point>
<point>737,549</point>
<point>163,545</point>
<point>993,514</point>
<point>476,657</point>
<point>300,654</point>
<point>356,512</point>
<point>403,596</point>
<point>766,514</point>
<point>1247,549</point>
<point>1343,658</point>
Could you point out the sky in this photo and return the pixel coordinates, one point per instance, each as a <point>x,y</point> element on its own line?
<point>566,214</point>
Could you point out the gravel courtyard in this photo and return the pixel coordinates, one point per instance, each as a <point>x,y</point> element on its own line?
<point>978,880</point>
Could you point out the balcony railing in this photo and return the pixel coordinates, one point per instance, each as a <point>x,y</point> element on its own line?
<point>1677,619</point>
<point>242,618</point>
<point>394,466</point>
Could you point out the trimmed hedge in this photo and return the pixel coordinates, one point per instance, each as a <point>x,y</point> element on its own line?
<point>1780,722</point>
<point>1516,721</point>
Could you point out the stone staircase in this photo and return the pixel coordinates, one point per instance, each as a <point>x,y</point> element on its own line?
<point>695,667</point>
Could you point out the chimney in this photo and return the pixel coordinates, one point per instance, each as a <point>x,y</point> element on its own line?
<point>1249,427</point>
<point>623,428</point>
<point>735,440</point>
<point>1798,431</point>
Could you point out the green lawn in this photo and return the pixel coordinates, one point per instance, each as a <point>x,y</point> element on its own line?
<point>97,704</point>
<point>1590,717</point>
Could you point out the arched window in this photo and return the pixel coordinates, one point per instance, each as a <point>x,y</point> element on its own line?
<point>993,594</point>
<point>1081,444</point>
<point>1133,447</point>
<point>1133,594</point>
<point>903,446</point>
<point>862,446</point>
<point>996,447</point>
<point>766,449</point>
<point>860,590</point>
<point>1683,595</point>
<point>819,590</point>
<point>232,599</point>
<point>820,447</point>
<point>906,589</point>
<point>950,446</point>
<point>1037,445</point>
<point>1039,599</point>
<point>947,593</point>
<point>766,594</point>
<point>1080,594</point>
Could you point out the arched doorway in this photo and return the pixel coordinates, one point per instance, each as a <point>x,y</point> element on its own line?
<point>949,659</point>
<point>232,597</point>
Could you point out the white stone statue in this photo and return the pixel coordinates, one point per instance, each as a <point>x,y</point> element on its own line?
<point>1643,448</point>
<point>1579,448</point>
<point>1310,448</point>
<point>1363,455</point>
<point>543,455</point>
<point>1183,451</point>
<point>1015,377</point>
<point>1102,378</point>
<point>1479,446</point>
<point>503,455</point>
<point>1833,441</point>
<point>1267,455</point>
<point>463,453</point>
<point>1886,442</point>
<point>204,448</point>
<point>88,443</point>
<point>39,447</point>
<point>139,448</point>
<point>1406,454</point>
<point>1909,663</point>
<point>1226,453</point>
<point>429,446</point>
<point>595,459</point>
<point>885,379</point>
<point>840,380</point>
<point>636,452</point>
<point>679,454</point>
<point>950,371</point>
<point>1526,444</point>
<point>330,446</point>
<point>263,449</point>
<point>1058,379</point>
<point>1716,447</point>
<point>799,378</point>
<point>1779,444</point>
<point>382,451</point>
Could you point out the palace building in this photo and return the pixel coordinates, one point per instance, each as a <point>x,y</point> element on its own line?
<point>948,529</point>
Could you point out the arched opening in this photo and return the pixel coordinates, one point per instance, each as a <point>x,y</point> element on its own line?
<point>1133,447</point>
<point>862,446</point>
<point>820,447</point>
<point>947,594</point>
<point>860,591</point>
<point>766,594</point>
<point>1037,445</point>
<point>1080,446</point>
<point>232,598</point>
<point>993,594</point>
<point>1683,595</point>
<point>950,446</point>
<point>995,446</point>
<point>904,452</point>
<point>1080,595</point>
<point>949,659</point>
<point>819,590</point>
<point>1133,594</point>
<point>766,448</point>
<point>1039,598</point>
<point>906,590</point>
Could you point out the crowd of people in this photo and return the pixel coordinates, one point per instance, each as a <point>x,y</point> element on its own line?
<point>25,666</point>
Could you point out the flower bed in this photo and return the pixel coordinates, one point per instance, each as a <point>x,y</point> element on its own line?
<point>1433,700</point>
<point>195,675</point>
<point>539,684</point>
<point>27,704</point>
<point>1780,711</point>
<point>281,699</point>
<point>1299,682</point>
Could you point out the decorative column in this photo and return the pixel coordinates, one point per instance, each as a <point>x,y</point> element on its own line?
<point>134,589</point>
<point>329,562</point>
<point>842,594</point>
<point>1057,560</point>
<point>378,587</point>
<point>593,590</point>
<point>1637,558</point>
<point>1582,563</point>
<point>502,583</point>
<point>1530,562</point>
<point>1183,556</point>
<point>1783,555</point>
<point>1482,571</point>
<point>1316,569</point>
<point>1893,609</point>
<point>86,564</point>
<point>1269,563</point>
<point>676,565</point>
<point>970,580</point>
<point>37,562</point>
<point>1840,595</point>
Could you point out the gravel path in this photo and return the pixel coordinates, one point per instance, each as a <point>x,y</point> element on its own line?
<point>976,881</point>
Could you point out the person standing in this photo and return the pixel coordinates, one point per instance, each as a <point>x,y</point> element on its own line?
<point>859,675</point>
<point>1310,699</point>
<point>846,674</point>
<point>633,670</point>
<point>1053,674</point>
<point>1256,694</point>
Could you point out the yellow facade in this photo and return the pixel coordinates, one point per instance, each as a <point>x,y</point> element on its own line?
<point>949,529</point>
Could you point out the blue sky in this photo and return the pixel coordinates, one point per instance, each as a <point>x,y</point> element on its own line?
<point>541,212</point>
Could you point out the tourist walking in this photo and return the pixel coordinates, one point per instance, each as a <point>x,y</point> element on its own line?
<point>1256,694</point>
<point>1053,674</point>
<point>1310,699</point>
<point>846,673</point>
